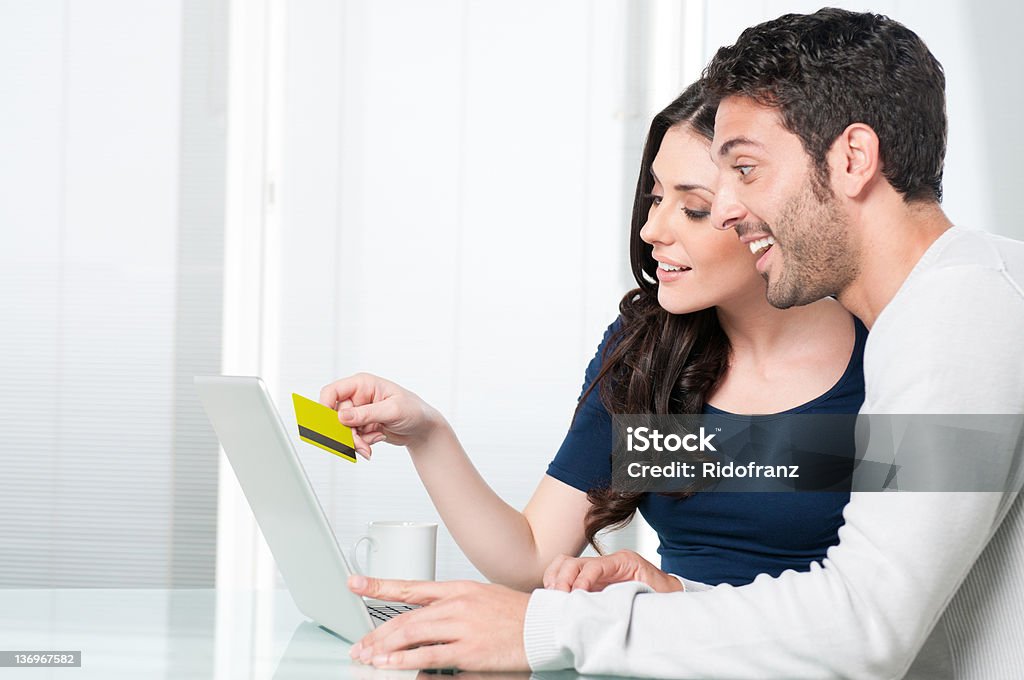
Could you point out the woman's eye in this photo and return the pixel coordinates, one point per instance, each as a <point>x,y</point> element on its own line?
<point>655,200</point>
<point>745,170</point>
<point>696,214</point>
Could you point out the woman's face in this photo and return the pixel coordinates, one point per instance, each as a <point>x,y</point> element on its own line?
<point>698,266</point>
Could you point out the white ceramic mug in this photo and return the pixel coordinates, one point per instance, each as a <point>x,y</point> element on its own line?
<point>404,550</point>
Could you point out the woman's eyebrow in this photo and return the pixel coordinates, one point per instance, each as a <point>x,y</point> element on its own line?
<point>679,187</point>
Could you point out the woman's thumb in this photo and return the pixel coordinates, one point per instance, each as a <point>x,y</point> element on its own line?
<point>355,416</point>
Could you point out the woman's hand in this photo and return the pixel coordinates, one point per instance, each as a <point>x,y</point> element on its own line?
<point>595,573</point>
<point>379,410</point>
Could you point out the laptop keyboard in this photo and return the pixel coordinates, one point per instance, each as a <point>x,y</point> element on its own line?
<point>383,612</point>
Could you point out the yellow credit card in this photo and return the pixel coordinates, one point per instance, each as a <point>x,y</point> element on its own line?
<point>319,426</point>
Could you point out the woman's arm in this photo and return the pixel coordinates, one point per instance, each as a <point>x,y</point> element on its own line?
<point>507,546</point>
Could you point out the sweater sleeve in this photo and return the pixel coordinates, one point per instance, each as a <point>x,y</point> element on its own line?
<point>867,609</point>
<point>863,613</point>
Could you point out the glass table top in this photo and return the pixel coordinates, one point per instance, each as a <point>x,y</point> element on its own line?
<point>182,633</point>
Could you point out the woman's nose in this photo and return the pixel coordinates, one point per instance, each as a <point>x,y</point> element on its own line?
<point>655,229</point>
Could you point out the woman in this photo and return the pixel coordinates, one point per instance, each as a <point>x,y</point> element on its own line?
<point>701,337</point>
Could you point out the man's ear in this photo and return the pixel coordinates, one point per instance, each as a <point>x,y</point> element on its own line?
<point>854,160</point>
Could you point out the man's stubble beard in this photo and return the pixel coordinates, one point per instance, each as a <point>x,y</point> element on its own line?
<point>819,257</point>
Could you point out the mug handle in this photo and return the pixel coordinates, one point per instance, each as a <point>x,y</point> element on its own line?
<point>355,553</point>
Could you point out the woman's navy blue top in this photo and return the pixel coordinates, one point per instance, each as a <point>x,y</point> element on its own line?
<point>720,537</point>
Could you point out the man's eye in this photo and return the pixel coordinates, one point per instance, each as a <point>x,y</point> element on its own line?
<point>745,170</point>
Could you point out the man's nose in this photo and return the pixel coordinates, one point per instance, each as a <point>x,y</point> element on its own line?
<point>726,209</point>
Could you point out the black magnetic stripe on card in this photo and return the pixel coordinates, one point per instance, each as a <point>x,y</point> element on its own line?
<point>343,449</point>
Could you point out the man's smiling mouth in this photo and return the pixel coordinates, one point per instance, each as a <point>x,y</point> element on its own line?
<point>761,245</point>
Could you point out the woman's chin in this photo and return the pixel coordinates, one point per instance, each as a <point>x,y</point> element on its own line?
<point>673,305</point>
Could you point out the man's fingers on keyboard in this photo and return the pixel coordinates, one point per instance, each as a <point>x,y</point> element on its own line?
<point>411,592</point>
<point>386,612</point>
<point>423,626</point>
<point>430,656</point>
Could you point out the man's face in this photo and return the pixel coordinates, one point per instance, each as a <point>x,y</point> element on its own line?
<point>768,191</point>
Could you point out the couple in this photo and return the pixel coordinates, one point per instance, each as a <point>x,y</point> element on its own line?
<point>821,137</point>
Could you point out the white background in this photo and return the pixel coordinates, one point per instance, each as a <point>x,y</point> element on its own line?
<point>436,192</point>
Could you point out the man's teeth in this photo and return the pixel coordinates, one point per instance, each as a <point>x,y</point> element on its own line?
<point>670,268</point>
<point>761,244</point>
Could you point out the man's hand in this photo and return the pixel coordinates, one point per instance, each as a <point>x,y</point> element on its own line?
<point>462,624</point>
<point>596,573</point>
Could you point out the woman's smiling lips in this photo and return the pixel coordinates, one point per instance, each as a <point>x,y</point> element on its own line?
<point>669,271</point>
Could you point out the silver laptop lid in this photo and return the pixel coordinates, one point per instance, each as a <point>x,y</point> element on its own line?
<point>274,482</point>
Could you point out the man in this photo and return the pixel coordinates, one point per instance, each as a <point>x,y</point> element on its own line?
<point>830,139</point>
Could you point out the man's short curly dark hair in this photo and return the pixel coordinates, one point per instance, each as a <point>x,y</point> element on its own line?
<point>827,70</point>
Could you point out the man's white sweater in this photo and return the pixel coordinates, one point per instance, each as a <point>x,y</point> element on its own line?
<point>921,584</point>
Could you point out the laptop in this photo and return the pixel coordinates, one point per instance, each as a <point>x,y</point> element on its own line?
<point>294,524</point>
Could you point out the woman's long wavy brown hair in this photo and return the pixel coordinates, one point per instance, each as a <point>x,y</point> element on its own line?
<point>656,362</point>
